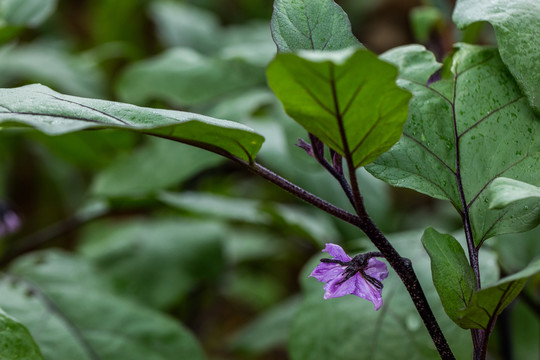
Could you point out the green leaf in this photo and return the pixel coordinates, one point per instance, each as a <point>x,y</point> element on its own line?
<point>517,25</point>
<point>487,303</point>
<point>76,75</point>
<point>54,113</point>
<point>310,25</point>
<point>26,12</point>
<point>147,261</point>
<point>180,24</point>
<point>337,96</point>
<point>348,328</point>
<point>453,277</point>
<point>15,340</point>
<point>185,77</point>
<point>73,314</point>
<point>475,113</point>
<point>156,165</point>
<point>504,192</point>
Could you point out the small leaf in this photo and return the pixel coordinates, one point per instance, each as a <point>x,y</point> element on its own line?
<point>504,191</point>
<point>311,25</point>
<point>517,25</point>
<point>453,277</point>
<point>489,302</point>
<point>15,340</point>
<point>54,113</point>
<point>463,131</point>
<point>348,98</point>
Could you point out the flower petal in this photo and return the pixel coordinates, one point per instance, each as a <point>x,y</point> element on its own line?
<point>337,252</point>
<point>335,289</point>
<point>377,269</point>
<point>327,272</point>
<point>367,291</point>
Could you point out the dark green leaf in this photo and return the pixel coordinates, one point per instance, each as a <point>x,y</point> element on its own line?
<point>349,99</point>
<point>147,260</point>
<point>453,277</point>
<point>517,25</point>
<point>487,303</point>
<point>475,113</point>
<point>55,113</point>
<point>73,314</point>
<point>15,340</point>
<point>311,25</point>
<point>504,192</point>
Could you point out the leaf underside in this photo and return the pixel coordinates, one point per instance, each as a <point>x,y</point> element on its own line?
<point>53,113</point>
<point>504,192</point>
<point>336,96</point>
<point>468,128</point>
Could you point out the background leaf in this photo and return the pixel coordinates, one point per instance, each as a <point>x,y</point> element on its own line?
<point>504,191</point>
<point>516,24</point>
<point>487,303</point>
<point>54,114</point>
<point>453,277</point>
<point>496,132</point>
<point>26,12</point>
<point>336,97</point>
<point>310,25</point>
<point>15,340</point>
<point>73,314</point>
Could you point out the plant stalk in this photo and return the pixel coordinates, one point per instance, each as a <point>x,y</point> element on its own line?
<point>402,266</point>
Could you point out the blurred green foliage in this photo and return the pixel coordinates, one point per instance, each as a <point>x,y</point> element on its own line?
<point>189,254</point>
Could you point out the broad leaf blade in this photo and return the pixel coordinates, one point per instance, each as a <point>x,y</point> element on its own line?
<point>517,25</point>
<point>349,99</point>
<point>310,25</point>
<point>504,192</point>
<point>479,107</point>
<point>453,277</point>
<point>26,12</point>
<point>15,340</point>
<point>73,314</point>
<point>489,302</point>
<point>54,113</point>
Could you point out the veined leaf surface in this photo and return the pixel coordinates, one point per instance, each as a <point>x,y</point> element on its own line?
<point>347,98</point>
<point>463,131</point>
<point>53,113</point>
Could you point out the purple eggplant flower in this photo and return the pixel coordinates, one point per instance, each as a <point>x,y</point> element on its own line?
<point>9,221</point>
<point>361,276</point>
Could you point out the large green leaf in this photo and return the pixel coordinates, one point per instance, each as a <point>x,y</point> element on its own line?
<point>453,277</point>
<point>146,260</point>
<point>348,98</point>
<point>463,131</point>
<point>156,165</point>
<point>186,77</point>
<point>54,113</point>
<point>506,191</point>
<point>348,327</point>
<point>517,25</point>
<point>311,25</point>
<point>73,314</point>
<point>15,340</point>
<point>489,302</point>
<point>26,12</point>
